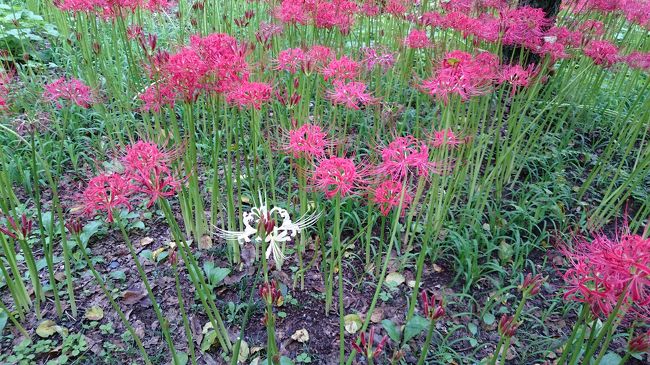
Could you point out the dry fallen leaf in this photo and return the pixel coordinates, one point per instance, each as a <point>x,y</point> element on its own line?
<point>352,323</point>
<point>94,313</point>
<point>130,297</point>
<point>377,315</point>
<point>205,243</point>
<point>394,279</point>
<point>46,328</point>
<point>300,335</point>
<point>146,241</point>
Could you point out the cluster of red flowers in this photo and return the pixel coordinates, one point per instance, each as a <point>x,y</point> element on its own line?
<point>213,64</point>
<point>4,89</point>
<point>606,270</point>
<point>636,11</point>
<point>321,13</point>
<point>462,74</point>
<point>112,8</point>
<point>72,90</point>
<point>401,159</point>
<point>146,173</point>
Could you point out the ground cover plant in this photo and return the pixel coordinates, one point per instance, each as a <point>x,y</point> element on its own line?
<point>324,182</point>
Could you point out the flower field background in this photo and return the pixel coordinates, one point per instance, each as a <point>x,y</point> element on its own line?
<point>324,182</point>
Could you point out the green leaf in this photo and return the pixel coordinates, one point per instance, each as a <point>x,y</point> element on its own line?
<point>611,358</point>
<point>208,340</point>
<point>285,361</point>
<point>473,328</point>
<point>488,318</point>
<point>414,327</point>
<point>3,320</point>
<point>118,275</point>
<point>391,329</point>
<point>182,358</point>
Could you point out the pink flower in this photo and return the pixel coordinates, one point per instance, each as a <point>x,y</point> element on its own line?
<point>602,52</point>
<point>336,176</point>
<point>417,39</point>
<point>266,31</point>
<point>155,97</point>
<point>603,270</point>
<point>307,141</point>
<point>341,69</point>
<point>107,192</point>
<point>317,57</point>
<point>372,58</point>
<point>516,76</point>
<point>290,60</point>
<point>352,94</point>
<point>445,137</point>
<point>462,75</point>
<point>73,90</point>
<point>291,12</point>
<point>523,26</point>
<point>146,165</point>
<point>388,195</point>
<point>249,94</point>
<point>638,60</point>
<point>405,156</point>
<point>5,79</point>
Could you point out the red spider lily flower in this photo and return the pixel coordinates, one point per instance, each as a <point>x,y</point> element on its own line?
<point>602,270</point>
<point>417,39</point>
<point>266,31</point>
<point>365,345</point>
<point>434,310</point>
<point>316,57</point>
<point>292,12</point>
<point>465,6</point>
<point>523,26</point>
<point>336,176</point>
<point>156,97</point>
<point>639,344</point>
<point>5,79</point>
<point>290,60</point>
<point>638,60</point>
<point>372,58</point>
<point>74,226</point>
<point>446,137</point>
<point>532,284</point>
<point>352,95</point>
<point>339,13</point>
<point>461,74</point>
<point>270,293</point>
<point>341,69</point>
<point>405,156</point>
<point>370,8</point>
<point>15,231</point>
<point>507,326</point>
<point>107,192</point>
<point>147,166</point>
<point>307,141</point>
<point>249,94</point>
<point>388,196</point>
<point>516,76</point>
<point>603,53</point>
<point>397,7</point>
<point>73,90</point>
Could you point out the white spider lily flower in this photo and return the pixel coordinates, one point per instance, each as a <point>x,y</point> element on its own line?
<point>278,235</point>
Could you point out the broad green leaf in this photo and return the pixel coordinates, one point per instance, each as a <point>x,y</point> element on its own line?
<point>392,330</point>
<point>414,327</point>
